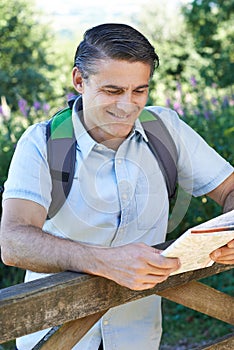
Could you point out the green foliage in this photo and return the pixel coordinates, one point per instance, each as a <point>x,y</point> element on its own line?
<point>192,59</point>
<point>185,327</point>
<point>165,28</point>
<point>26,57</point>
<point>210,112</point>
<point>211,25</point>
<point>12,125</point>
<point>181,84</point>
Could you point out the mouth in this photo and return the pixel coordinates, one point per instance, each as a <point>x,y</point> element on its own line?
<point>119,116</point>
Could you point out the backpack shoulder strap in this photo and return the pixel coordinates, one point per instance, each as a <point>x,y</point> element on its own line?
<point>61,153</point>
<point>162,146</point>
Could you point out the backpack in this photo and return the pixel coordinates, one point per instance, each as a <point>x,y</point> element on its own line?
<point>61,152</point>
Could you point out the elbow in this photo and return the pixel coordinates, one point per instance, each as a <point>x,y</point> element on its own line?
<point>7,252</point>
<point>7,256</point>
<point>229,202</point>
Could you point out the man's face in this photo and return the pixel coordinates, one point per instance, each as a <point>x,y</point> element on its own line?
<point>113,97</point>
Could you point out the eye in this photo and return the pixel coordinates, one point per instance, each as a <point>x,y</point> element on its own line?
<point>113,92</point>
<point>140,91</point>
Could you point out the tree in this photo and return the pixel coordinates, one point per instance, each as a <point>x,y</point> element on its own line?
<point>165,28</point>
<point>26,68</point>
<point>211,24</point>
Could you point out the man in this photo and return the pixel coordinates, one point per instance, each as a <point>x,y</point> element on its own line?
<point>118,205</point>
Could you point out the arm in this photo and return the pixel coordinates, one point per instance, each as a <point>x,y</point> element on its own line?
<point>26,245</point>
<point>224,195</point>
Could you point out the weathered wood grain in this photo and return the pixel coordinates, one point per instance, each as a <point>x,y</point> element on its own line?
<point>69,334</point>
<point>57,299</point>
<point>204,299</point>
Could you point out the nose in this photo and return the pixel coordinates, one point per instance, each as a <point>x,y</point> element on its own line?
<point>125,102</point>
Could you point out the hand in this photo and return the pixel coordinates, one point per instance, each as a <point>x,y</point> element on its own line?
<point>136,265</point>
<point>225,254</point>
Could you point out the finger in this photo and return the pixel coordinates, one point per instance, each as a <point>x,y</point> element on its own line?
<point>223,254</point>
<point>231,244</point>
<point>141,283</point>
<point>154,279</point>
<point>159,261</point>
<point>150,284</point>
<point>226,261</point>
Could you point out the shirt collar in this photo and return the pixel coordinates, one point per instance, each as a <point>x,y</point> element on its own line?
<point>138,129</point>
<point>84,141</point>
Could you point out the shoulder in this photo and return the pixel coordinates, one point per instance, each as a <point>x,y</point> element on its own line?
<point>38,129</point>
<point>32,143</point>
<point>34,134</point>
<point>169,117</point>
<point>176,126</point>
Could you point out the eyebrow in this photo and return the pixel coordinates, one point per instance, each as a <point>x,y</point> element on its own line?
<point>123,88</point>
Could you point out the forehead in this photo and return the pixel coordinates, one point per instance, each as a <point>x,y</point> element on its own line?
<point>120,72</point>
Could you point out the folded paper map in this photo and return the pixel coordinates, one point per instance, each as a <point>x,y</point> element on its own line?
<point>195,245</point>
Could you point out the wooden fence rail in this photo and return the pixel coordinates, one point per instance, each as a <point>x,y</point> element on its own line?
<point>77,301</point>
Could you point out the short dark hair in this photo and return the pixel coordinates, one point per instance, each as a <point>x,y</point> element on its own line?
<point>115,41</point>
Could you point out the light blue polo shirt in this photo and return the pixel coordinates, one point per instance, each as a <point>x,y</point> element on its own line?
<point>117,197</point>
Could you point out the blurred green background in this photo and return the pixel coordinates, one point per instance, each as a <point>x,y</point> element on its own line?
<point>194,40</point>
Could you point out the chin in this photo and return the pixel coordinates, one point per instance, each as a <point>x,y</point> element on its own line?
<point>121,131</point>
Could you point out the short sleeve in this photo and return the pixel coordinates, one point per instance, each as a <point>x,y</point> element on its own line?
<point>29,176</point>
<point>200,168</point>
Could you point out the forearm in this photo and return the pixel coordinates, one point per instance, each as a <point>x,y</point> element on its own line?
<point>28,247</point>
<point>136,266</point>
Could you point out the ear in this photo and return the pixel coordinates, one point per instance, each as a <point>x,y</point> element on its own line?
<point>77,80</point>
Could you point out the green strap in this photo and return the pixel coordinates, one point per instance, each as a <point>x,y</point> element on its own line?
<point>146,116</point>
<point>61,126</point>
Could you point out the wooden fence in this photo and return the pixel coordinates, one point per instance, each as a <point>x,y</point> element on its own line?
<point>71,303</point>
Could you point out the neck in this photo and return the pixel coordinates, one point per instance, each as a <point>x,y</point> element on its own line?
<point>106,139</point>
<point>113,143</point>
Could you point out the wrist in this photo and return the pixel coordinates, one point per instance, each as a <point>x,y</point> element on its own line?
<point>90,259</point>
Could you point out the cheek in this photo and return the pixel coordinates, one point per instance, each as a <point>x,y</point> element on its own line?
<point>141,102</point>
<point>100,100</point>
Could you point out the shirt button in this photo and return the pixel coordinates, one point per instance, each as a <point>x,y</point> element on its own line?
<point>124,196</point>
<point>105,323</point>
<point>119,161</point>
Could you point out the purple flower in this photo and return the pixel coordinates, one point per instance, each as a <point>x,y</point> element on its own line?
<point>225,103</point>
<point>37,105</point>
<point>214,101</point>
<point>46,107</point>
<point>23,107</point>
<point>178,108</point>
<point>207,114</point>
<point>193,81</point>
<point>178,86</point>
<point>180,111</point>
<point>176,105</point>
<point>168,102</point>
<point>1,110</point>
